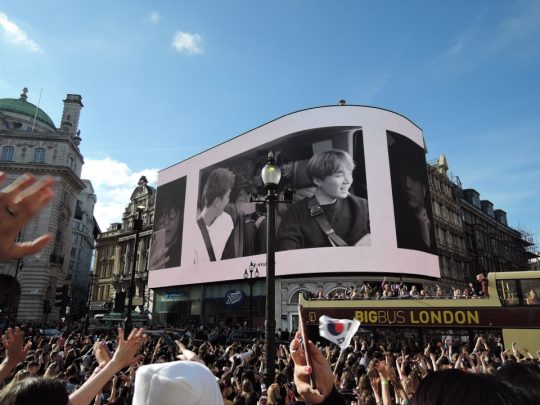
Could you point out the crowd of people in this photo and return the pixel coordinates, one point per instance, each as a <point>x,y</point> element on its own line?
<point>390,290</point>
<point>79,368</point>
<point>390,369</point>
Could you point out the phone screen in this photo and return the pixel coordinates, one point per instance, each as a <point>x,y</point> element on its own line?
<point>305,345</point>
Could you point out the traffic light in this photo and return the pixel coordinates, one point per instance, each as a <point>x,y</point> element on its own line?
<point>61,297</point>
<point>46,307</point>
<point>120,301</point>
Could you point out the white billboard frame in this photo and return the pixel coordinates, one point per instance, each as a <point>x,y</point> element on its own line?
<point>382,256</point>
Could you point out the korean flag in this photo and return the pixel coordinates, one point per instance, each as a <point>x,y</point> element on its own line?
<point>338,331</point>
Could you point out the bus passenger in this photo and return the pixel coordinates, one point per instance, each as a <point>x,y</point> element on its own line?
<point>484,293</point>
<point>532,298</point>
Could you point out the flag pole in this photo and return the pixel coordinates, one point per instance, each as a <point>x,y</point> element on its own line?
<point>338,360</point>
<point>37,108</point>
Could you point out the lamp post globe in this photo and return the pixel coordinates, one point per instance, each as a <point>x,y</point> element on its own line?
<point>271,173</point>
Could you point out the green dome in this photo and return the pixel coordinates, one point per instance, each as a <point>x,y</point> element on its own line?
<point>23,107</point>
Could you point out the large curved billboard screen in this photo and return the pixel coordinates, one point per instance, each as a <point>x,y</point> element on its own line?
<point>353,197</point>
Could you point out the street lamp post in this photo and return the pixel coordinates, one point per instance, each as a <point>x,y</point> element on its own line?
<point>250,278</point>
<point>11,295</point>
<point>88,302</point>
<point>137,227</point>
<point>271,175</point>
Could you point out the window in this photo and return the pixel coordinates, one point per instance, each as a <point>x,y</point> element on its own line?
<point>39,155</point>
<point>508,292</point>
<point>7,153</point>
<point>519,292</point>
<point>295,297</point>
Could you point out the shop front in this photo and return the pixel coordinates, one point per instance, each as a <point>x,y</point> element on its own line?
<point>213,304</point>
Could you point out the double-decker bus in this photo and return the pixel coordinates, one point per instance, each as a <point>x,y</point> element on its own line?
<point>511,312</point>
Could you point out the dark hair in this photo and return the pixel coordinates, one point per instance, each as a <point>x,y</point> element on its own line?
<point>449,387</point>
<point>218,182</point>
<point>524,376</point>
<point>239,400</point>
<point>324,164</point>
<point>251,398</point>
<point>35,390</point>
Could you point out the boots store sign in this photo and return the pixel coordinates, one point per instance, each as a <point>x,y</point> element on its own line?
<point>234,298</point>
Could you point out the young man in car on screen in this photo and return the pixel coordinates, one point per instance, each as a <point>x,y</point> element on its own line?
<point>332,216</point>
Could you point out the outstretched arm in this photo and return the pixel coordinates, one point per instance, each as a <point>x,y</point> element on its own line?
<point>124,356</point>
<point>16,351</point>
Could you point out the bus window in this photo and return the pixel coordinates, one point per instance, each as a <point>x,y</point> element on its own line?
<point>508,292</point>
<point>531,291</point>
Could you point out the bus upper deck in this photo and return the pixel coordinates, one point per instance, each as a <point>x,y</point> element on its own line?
<point>512,307</point>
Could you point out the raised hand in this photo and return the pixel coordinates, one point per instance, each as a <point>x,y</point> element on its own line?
<point>19,203</point>
<point>13,341</point>
<point>126,351</point>
<point>321,370</point>
<point>186,354</point>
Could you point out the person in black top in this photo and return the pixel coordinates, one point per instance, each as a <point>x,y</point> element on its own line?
<point>315,222</point>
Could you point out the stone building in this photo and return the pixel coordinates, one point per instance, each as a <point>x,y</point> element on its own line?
<point>31,143</point>
<point>472,236</point>
<point>449,233</point>
<point>85,230</point>
<point>114,257</point>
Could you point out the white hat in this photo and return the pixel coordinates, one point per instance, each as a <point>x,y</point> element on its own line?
<point>177,382</point>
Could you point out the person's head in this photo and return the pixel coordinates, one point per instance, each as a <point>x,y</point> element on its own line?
<point>449,387</point>
<point>251,398</point>
<point>31,391</point>
<point>247,385</point>
<point>56,356</point>
<point>179,381</point>
<point>331,172</point>
<point>239,400</point>
<point>33,367</point>
<point>523,376</point>
<point>273,394</point>
<point>226,388</point>
<point>218,188</point>
<point>414,189</point>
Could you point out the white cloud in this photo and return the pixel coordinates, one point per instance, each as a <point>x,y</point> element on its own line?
<point>14,34</point>
<point>154,17</point>
<point>187,43</point>
<point>113,183</point>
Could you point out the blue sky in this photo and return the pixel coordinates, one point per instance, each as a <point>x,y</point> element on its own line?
<point>164,80</point>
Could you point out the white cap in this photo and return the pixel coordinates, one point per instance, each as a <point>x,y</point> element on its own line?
<point>177,382</point>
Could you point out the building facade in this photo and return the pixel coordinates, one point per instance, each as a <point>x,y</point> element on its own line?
<point>85,230</point>
<point>31,143</point>
<point>472,236</point>
<point>114,259</point>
